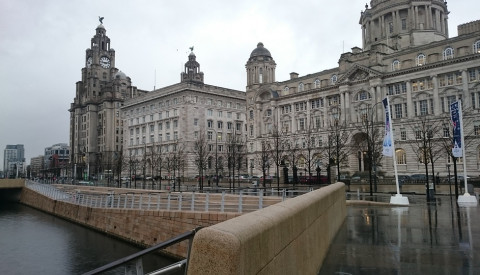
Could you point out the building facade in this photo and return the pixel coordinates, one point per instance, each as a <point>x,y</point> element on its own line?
<point>407,56</point>
<point>162,127</point>
<point>95,122</point>
<point>37,166</point>
<point>56,161</point>
<point>14,161</point>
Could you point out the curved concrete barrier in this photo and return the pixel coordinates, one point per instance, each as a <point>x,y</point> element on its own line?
<point>291,237</point>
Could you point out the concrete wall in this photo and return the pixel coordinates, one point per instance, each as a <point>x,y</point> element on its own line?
<point>143,227</point>
<point>291,237</point>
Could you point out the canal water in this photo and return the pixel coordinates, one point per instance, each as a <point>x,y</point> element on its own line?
<point>33,242</point>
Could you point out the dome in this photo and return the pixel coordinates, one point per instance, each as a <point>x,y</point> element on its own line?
<point>120,75</point>
<point>260,51</point>
<point>100,26</point>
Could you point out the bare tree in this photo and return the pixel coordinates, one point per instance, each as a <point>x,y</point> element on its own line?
<point>200,149</point>
<point>292,155</point>
<point>234,155</point>
<point>262,159</point>
<point>338,149</point>
<point>276,144</point>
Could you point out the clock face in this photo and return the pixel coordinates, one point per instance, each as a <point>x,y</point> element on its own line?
<point>89,61</point>
<point>105,62</point>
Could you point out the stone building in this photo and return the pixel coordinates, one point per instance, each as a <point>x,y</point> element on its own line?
<point>37,166</point>
<point>14,161</point>
<point>168,121</point>
<point>407,56</point>
<point>95,122</point>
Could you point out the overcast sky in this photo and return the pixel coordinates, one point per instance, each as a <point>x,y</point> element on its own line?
<point>43,43</point>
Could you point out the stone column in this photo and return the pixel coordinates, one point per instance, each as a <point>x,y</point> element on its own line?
<point>409,100</point>
<point>466,94</point>
<point>436,98</point>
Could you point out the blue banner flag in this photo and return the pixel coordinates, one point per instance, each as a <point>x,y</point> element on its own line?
<point>456,113</point>
<point>387,140</point>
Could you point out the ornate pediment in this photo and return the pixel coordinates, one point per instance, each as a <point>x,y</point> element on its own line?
<point>358,73</point>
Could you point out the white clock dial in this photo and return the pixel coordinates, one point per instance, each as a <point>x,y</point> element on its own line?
<point>89,61</point>
<point>105,62</point>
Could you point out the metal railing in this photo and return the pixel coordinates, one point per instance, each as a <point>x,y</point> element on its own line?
<point>133,263</point>
<point>246,201</point>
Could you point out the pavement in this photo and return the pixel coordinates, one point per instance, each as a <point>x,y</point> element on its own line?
<point>424,238</point>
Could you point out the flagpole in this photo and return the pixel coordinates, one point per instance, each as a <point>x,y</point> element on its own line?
<point>398,198</point>
<point>466,198</point>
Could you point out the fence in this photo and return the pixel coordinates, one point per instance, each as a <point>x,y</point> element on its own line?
<point>245,201</point>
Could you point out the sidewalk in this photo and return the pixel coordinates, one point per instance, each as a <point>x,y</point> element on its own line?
<point>435,238</point>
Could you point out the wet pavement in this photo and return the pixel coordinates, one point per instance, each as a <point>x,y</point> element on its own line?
<point>424,238</point>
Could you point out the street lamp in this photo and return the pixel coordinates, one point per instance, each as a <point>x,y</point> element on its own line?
<point>449,181</point>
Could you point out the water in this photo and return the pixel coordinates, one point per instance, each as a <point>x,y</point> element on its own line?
<point>33,242</point>
<point>424,238</point>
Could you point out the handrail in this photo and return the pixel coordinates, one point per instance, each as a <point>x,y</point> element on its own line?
<point>139,254</point>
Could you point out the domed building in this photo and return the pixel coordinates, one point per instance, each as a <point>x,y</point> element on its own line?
<point>332,121</point>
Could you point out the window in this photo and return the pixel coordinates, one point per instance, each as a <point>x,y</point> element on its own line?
<point>160,126</point>
<point>268,112</point>
<point>421,60</point>
<point>301,124</point>
<point>476,47</point>
<point>175,124</point>
<point>285,89</point>
<point>317,103</point>
<point>175,135</point>
<point>209,101</point>
<point>152,128</point>
<point>418,134</point>
<point>472,75</point>
<point>160,137</point>
<point>398,110</point>
<point>448,53</point>
<point>476,128</point>
<point>229,114</point>
<point>401,156</point>
<point>390,27</point>
<point>423,107</point>
<point>334,79</point>
<point>168,136</point>
<point>167,125</point>
<point>251,114</point>
<point>209,112</point>
<point>220,113</point>
<point>251,130</point>
<point>301,87</point>
<point>209,124</point>
<point>195,121</point>
<point>210,135</point>
<point>229,125</point>
<point>396,65</point>
<point>403,134</point>
<point>317,82</point>
<point>219,124</point>
<point>404,24</point>
<point>446,132</point>
<point>167,113</point>
<point>363,95</point>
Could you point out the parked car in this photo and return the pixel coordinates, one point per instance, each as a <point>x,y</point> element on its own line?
<point>313,179</point>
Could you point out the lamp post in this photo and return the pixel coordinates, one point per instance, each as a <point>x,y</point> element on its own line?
<point>449,181</point>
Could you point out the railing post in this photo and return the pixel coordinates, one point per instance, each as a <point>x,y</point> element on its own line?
<point>260,200</point>
<point>284,194</point>
<point>140,202</point>
<point>222,205</point>
<point>180,202</point>
<point>192,206</point>
<point>133,201</point>
<point>168,201</point>
<point>207,198</point>
<point>240,208</point>
<point>149,197</point>
<point>159,200</point>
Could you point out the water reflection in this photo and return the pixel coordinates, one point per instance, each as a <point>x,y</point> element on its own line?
<point>33,242</point>
<point>424,238</point>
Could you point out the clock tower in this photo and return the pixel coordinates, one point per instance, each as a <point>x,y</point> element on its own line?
<point>95,122</point>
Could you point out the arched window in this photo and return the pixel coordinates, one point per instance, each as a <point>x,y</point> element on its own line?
<point>421,60</point>
<point>395,65</point>
<point>476,47</point>
<point>333,79</point>
<point>363,95</point>
<point>286,89</point>
<point>317,82</point>
<point>448,53</point>
<point>401,156</point>
<point>301,87</point>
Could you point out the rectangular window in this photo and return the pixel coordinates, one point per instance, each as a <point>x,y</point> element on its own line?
<point>219,125</point>
<point>301,124</point>
<point>152,128</point>
<point>446,132</point>
<point>251,130</point>
<point>168,136</point>
<point>229,114</point>
<point>210,124</point>
<point>210,135</point>
<point>403,134</point>
<point>167,125</point>
<point>209,112</point>
<point>423,107</point>
<point>195,121</point>
<point>418,134</point>
<point>229,125</point>
<point>404,24</point>
<point>175,124</point>
<point>160,137</point>
<point>398,110</point>
<point>220,113</point>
